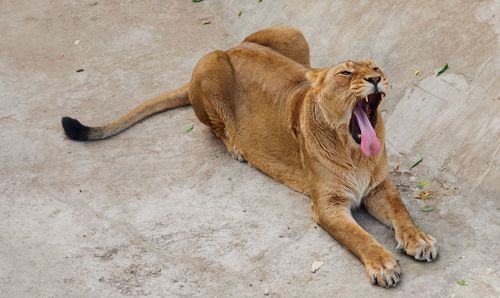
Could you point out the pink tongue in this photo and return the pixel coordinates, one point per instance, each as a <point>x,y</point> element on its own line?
<point>370,145</point>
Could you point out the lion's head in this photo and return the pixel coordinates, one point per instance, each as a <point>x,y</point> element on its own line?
<point>350,93</point>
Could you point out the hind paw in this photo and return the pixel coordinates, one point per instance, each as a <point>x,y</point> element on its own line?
<point>235,153</point>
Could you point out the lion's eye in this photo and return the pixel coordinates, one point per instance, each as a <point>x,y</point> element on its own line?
<point>346,73</point>
<point>376,69</point>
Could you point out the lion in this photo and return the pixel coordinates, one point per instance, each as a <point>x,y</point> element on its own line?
<point>317,130</point>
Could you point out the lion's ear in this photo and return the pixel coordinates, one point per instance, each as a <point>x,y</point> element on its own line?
<point>369,62</point>
<point>316,75</point>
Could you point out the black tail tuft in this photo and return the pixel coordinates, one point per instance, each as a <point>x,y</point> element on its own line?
<point>74,129</point>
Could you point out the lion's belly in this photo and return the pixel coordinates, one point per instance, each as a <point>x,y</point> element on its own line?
<point>266,143</point>
<point>285,168</point>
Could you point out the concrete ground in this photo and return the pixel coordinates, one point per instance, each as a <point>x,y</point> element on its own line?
<point>160,212</point>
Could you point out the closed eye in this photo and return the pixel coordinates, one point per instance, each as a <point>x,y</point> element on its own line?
<point>345,73</point>
<point>376,69</point>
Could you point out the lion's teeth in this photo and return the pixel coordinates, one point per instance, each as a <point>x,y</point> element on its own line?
<point>359,136</point>
<point>366,99</point>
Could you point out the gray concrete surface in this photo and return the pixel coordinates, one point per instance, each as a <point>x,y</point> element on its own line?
<point>156,211</point>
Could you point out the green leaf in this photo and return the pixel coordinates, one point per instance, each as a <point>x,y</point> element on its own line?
<point>189,128</point>
<point>197,1</point>
<point>462,283</point>
<point>423,184</point>
<point>443,69</point>
<point>427,208</point>
<point>416,163</point>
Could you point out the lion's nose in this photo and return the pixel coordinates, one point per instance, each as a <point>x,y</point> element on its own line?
<point>373,80</point>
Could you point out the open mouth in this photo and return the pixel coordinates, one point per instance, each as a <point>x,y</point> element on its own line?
<point>363,121</point>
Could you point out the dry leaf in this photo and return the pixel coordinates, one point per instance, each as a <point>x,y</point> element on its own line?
<point>316,265</point>
<point>425,195</point>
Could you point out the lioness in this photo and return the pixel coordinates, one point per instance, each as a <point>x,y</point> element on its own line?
<point>318,131</point>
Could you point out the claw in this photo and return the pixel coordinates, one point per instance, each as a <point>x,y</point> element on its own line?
<point>420,255</point>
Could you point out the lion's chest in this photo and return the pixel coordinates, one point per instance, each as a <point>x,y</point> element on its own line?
<point>357,184</point>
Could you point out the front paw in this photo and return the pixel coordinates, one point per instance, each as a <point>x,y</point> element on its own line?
<point>382,269</point>
<point>418,244</point>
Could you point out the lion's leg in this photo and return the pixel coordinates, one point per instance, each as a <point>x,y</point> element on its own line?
<point>334,215</point>
<point>384,203</point>
<point>288,41</point>
<point>211,94</point>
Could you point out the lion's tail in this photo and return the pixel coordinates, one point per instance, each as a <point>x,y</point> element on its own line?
<point>169,100</point>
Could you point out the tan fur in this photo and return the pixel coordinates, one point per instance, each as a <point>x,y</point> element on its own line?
<point>160,103</point>
<point>270,108</point>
